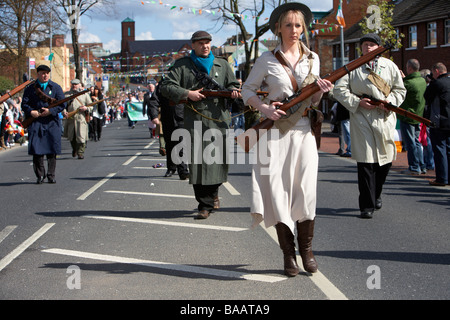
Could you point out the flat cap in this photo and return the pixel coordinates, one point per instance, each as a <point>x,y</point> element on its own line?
<point>43,67</point>
<point>75,81</point>
<point>201,35</point>
<point>297,6</point>
<point>372,37</point>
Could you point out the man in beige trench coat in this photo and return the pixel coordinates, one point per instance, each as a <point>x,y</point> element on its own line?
<point>372,126</point>
<point>76,127</point>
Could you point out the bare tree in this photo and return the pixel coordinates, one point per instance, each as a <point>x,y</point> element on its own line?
<point>23,24</point>
<point>72,10</point>
<point>235,11</point>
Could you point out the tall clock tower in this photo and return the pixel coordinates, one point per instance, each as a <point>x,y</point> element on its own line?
<point>128,33</point>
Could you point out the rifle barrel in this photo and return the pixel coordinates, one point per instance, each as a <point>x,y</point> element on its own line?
<point>308,91</point>
<point>15,91</point>
<point>401,111</point>
<point>28,121</point>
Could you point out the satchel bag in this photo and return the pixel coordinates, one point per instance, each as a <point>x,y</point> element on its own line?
<point>315,116</point>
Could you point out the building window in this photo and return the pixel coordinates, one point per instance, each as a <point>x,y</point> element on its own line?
<point>431,34</point>
<point>447,31</point>
<point>129,32</point>
<point>412,37</point>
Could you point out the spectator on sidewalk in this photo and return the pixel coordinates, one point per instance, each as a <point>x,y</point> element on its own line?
<point>437,96</point>
<point>415,103</point>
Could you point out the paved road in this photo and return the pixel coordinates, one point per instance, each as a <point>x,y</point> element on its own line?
<point>113,227</point>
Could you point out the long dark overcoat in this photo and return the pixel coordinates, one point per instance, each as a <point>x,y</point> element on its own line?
<point>175,87</point>
<point>44,134</point>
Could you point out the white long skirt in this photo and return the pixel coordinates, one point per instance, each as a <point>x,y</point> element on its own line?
<point>284,183</point>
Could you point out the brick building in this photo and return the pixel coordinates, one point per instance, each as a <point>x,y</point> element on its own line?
<point>426,26</point>
<point>148,57</point>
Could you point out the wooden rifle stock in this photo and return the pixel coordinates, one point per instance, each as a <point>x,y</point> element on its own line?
<point>28,121</point>
<point>401,111</point>
<point>220,94</point>
<point>247,139</point>
<point>74,112</point>
<point>14,91</point>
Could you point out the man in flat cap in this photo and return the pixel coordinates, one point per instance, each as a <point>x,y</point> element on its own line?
<point>185,81</point>
<point>76,127</point>
<point>372,126</point>
<point>44,134</point>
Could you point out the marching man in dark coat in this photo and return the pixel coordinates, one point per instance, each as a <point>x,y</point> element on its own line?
<point>185,81</point>
<point>44,134</point>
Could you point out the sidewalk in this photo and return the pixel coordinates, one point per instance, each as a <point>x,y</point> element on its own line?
<point>330,144</point>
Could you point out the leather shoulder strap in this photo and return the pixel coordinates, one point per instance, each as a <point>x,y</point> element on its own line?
<point>288,70</point>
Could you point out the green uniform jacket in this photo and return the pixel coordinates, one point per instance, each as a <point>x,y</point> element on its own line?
<point>415,101</point>
<point>210,167</point>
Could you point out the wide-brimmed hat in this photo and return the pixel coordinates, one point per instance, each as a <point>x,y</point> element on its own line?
<point>297,6</point>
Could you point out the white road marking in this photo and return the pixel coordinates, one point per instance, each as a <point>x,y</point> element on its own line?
<point>231,189</point>
<point>150,194</point>
<point>22,247</point>
<point>5,232</point>
<point>132,159</point>
<point>325,285</point>
<point>150,144</point>
<point>94,188</point>
<point>168,223</point>
<point>168,266</point>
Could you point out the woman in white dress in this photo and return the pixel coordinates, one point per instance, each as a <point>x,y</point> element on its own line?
<point>284,189</point>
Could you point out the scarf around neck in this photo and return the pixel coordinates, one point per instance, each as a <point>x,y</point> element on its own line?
<point>203,64</point>
<point>43,85</point>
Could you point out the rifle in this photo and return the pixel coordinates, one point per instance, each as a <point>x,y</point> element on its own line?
<point>248,139</point>
<point>400,111</point>
<point>28,121</point>
<point>72,113</point>
<point>15,91</point>
<point>221,94</point>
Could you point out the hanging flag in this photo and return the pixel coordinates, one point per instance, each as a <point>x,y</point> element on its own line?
<point>48,58</point>
<point>340,16</point>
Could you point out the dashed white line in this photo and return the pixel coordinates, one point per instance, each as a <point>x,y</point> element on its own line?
<point>150,194</point>
<point>150,144</point>
<point>22,247</point>
<point>132,159</point>
<point>231,189</point>
<point>94,188</point>
<point>168,223</point>
<point>168,266</point>
<point>5,232</point>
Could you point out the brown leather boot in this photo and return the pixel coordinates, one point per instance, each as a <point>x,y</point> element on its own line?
<point>287,245</point>
<point>305,235</point>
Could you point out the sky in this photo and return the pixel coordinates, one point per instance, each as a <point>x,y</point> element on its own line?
<point>173,19</point>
